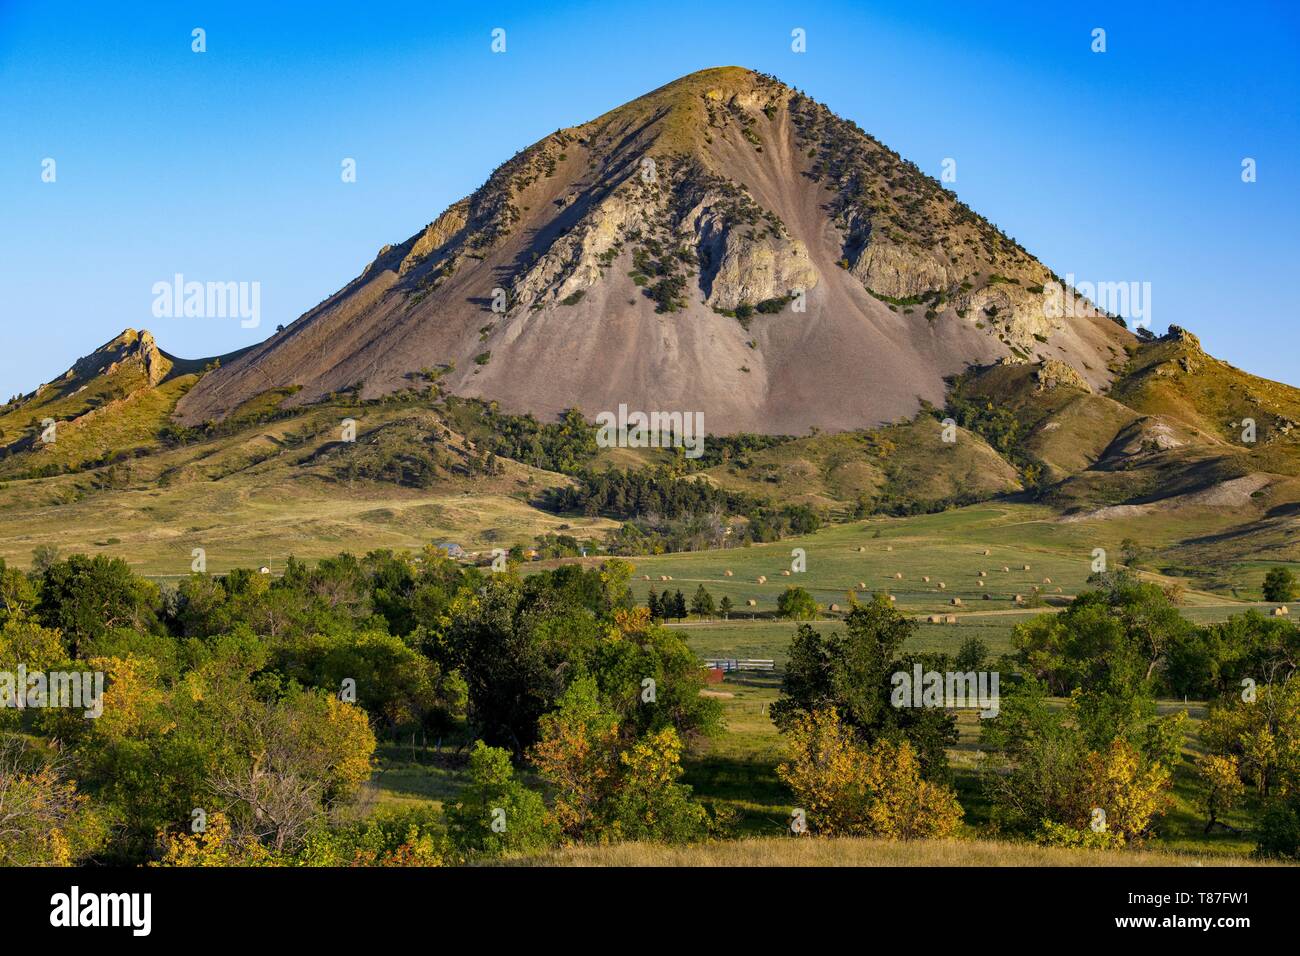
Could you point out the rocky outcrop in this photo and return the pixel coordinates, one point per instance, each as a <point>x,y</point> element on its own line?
<point>437,234</point>
<point>1052,374</point>
<point>754,270</point>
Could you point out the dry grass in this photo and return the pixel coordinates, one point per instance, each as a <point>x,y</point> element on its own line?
<point>788,851</point>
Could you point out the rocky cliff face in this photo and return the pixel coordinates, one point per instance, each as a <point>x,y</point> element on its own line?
<point>722,244</point>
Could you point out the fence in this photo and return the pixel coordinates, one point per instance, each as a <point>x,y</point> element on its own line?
<point>727,665</point>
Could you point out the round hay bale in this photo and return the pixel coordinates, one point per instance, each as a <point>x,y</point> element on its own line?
<point>786,572</point>
<point>1019,599</point>
<point>983,574</point>
<point>942,585</point>
<point>956,602</point>
<point>980,583</point>
<point>986,552</point>
<point>1047,580</point>
<point>892,599</point>
<point>1059,591</point>
<point>663,577</point>
<point>859,549</point>
<point>1006,569</point>
<point>889,547</point>
<point>934,619</point>
<point>898,575</point>
<point>1026,567</point>
<point>862,585</point>
<point>762,579</point>
<point>987,596</point>
<point>1281,611</point>
<point>751,603</point>
<point>727,573</point>
<point>951,619</point>
<point>645,577</point>
<point>925,578</point>
<point>835,607</point>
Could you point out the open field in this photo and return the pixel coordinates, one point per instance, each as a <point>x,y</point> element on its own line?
<point>769,637</point>
<point>864,557</point>
<point>848,851</point>
<point>155,531</point>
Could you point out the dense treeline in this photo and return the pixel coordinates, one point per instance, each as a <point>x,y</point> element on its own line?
<point>240,715</point>
<point>634,494</point>
<point>566,446</point>
<point>666,512</point>
<point>1076,752</point>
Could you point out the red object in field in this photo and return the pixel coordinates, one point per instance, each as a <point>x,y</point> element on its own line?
<point>713,675</point>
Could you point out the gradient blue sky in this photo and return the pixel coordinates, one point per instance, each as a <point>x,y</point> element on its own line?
<point>1123,166</point>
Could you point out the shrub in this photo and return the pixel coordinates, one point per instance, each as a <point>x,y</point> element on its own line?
<point>1279,585</point>
<point>848,789</point>
<point>496,813</point>
<point>796,604</point>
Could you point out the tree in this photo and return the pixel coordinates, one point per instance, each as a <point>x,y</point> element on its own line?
<point>1112,646</point>
<point>1221,778</point>
<point>44,821</point>
<point>972,654</point>
<point>1044,778</point>
<point>512,647</point>
<point>1279,828</point>
<point>848,789</point>
<point>852,673</point>
<point>577,753</point>
<point>17,593</point>
<point>609,784</point>
<point>215,845</point>
<point>396,684</point>
<point>307,755</point>
<point>652,603</point>
<point>725,607</point>
<point>496,814</point>
<point>796,604</point>
<point>702,602</point>
<point>85,597</point>
<point>1261,733</point>
<point>406,838</point>
<point>650,803</point>
<point>1279,585</point>
<point>43,557</point>
<point>679,606</point>
<point>1212,661</point>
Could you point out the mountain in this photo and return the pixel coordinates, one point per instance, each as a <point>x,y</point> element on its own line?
<point>111,402</point>
<point>653,256</point>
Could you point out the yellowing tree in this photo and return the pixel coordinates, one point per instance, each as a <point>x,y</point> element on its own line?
<point>214,846</point>
<point>1262,734</point>
<point>43,820</point>
<point>578,755</point>
<point>1223,787</point>
<point>1129,790</point>
<point>848,789</point>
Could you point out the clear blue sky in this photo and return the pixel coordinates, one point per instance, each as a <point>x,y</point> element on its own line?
<point>1122,166</point>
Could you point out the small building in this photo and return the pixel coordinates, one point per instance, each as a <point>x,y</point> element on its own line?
<point>454,551</point>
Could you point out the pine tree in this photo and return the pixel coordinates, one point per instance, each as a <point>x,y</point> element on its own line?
<point>725,606</point>
<point>679,606</point>
<point>702,603</point>
<point>656,609</point>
